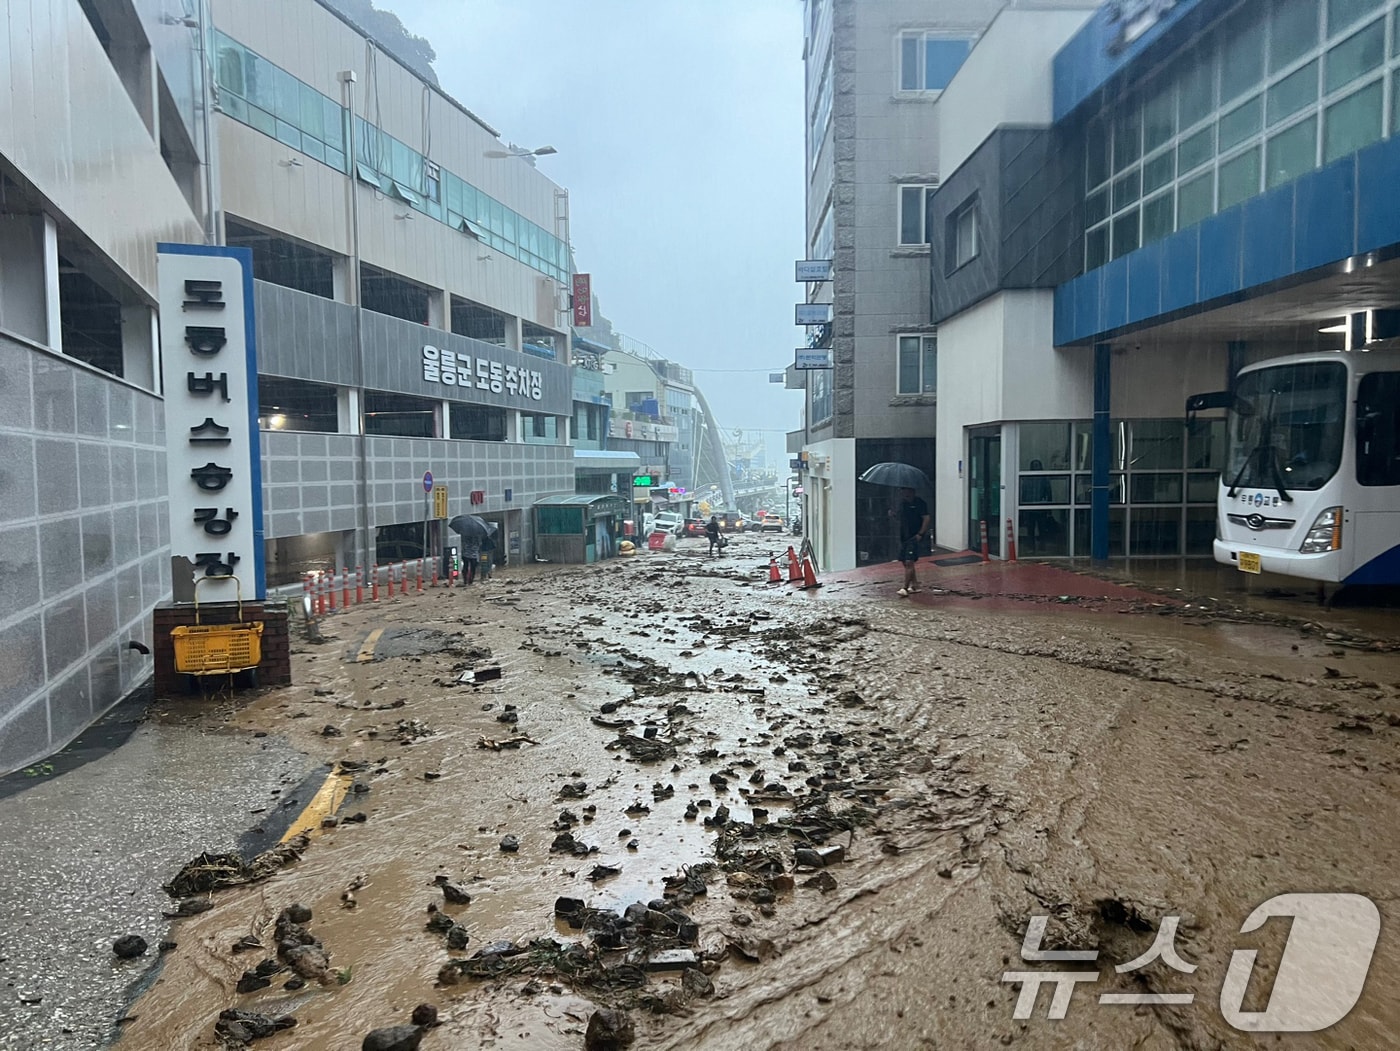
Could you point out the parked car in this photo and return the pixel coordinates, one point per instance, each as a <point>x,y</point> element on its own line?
<point>732,522</point>
<point>667,522</point>
<point>771,523</point>
<point>693,527</point>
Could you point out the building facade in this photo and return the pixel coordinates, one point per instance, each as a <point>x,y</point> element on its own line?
<point>874,74</point>
<point>1166,194</point>
<point>409,272</point>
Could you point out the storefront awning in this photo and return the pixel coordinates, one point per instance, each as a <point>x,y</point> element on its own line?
<point>606,460</point>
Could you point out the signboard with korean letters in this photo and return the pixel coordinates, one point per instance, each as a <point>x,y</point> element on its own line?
<point>466,372</point>
<point>210,377</point>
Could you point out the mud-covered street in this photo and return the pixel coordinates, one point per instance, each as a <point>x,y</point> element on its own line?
<point>735,814</point>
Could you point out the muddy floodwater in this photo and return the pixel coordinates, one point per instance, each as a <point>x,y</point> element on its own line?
<point>839,812</point>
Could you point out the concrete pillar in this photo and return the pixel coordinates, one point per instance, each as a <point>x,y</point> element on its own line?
<point>141,347</point>
<point>347,405</point>
<point>23,277</point>
<point>52,310</point>
<point>135,64</point>
<point>515,337</point>
<point>1103,452</point>
<point>440,309</point>
<point>342,287</point>
<point>565,431</point>
<point>514,426</point>
<point>444,416</point>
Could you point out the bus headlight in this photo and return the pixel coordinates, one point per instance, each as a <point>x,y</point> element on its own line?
<point>1325,534</point>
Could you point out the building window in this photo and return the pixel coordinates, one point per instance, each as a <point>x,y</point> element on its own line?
<point>918,365</point>
<point>913,200</point>
<point>961,235</point>
<point>1259,99</point>
<point>928,61</point>
<point>1378,424</point>
<point>820,386</point>
<point>821,114</point>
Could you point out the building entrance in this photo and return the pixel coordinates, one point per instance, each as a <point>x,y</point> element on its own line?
<point>984,488</point>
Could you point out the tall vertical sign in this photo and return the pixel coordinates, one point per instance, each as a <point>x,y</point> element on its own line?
<point>583,300</point>
<point>209,368</point>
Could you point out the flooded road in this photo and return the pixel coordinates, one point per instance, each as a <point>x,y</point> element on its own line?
<point>837,813</point>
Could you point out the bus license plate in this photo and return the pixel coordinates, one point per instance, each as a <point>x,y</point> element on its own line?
<point>1249,562</point>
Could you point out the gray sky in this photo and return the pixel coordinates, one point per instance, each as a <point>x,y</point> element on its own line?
<point>680,137</point>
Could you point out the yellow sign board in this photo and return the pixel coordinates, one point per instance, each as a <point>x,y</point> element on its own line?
<point>439,501</point>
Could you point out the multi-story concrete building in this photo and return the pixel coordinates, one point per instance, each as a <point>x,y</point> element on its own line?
<point>409,269</point>
<point>874,74</point>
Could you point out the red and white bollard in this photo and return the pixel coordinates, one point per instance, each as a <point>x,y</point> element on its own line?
<point>986,550</point>
<point>374,582</point>
<point>345,587</point>
<point>330,591</point>
<point>1010,541</point>
<point>420,576</point>
<point>435,565</point>
<point>359,585</point>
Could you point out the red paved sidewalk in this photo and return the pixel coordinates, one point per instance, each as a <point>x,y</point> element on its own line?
<point>991,586</point>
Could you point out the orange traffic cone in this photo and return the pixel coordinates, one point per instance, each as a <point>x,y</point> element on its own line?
<point>809,575</point>
<point>794,567</point>
<point>775,575</point>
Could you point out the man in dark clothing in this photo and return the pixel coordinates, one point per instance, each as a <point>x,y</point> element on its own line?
<point>712,533</point>
<point>913,527</point>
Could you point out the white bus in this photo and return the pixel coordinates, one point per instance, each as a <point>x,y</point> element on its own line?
<point>1311,485</point>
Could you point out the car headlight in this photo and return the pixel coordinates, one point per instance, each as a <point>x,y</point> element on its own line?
<point>1325,534</point>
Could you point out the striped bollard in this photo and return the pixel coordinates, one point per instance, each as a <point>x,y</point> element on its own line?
<point>330,591</point>
<point>986,552</point>
<point>420,576</point>
<point>374,582</point>
<point>435,565</point>
<point>359,585</point>
<point>345,587</point>
<point>306,601</point>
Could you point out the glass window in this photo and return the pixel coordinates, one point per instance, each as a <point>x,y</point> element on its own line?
<point>1084,489</point>
<point>1096,248</point>
<point>1378,429</point>
<point>313,147</point>
<point>1342,13</point>
<point>264,121</point>
<point>909,63</point>
<point>1239,178</point>
<point>911,215</point>
<point>1292,152</point>
<point>1292,93</point>
<point>1292,31</point>
<point>1203,487</point>
<point>312,113</point>
<point>965,234</point>
<point>1395,94</point>
<point>1157,172</point>
<point>1097,144</point>
<point>1157,445</point>
<point>908,365</point>
<point>1156,531</point>
<point>1096,208</point>
<point>1356,56</point>
<point>1157,217</point>
<point>288,96</point>
<point>1159,118</point>
<point>1205,444</point>
<point>1044,488</point>
<point>1125,233</point>
<point>230,66</point>
<point>1196,89</point>
<point>1044,534</point>
<point>943,57</point>
<point>1353,122</point>
<point>1082,530</point>
<point>1242,55</point>
<point>1196,150</point>
<point>1127,189</point>
<point>333,123</point>
<point>1290,426</point>
<point>1156,488</point>
<point>287,133</point>
<point>1240,123</point>
<point>257,78</point>
<point>1127,138</point>
<point>1044,447</point>
<point>234,106</point>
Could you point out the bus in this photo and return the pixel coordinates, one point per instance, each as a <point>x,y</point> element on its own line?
<point>1311,483</point>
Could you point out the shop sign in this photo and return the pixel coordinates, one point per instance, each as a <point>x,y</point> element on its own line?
<point>813,313</point>
<point>814,270</point>
<point>1134,18</point>
<point>807,358</point>
<point>452,369</point>
<point>210,376</point>
<point>583,300</point>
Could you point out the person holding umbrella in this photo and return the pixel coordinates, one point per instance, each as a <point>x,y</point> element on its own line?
<point>913,527</point>
<point>472,529</point>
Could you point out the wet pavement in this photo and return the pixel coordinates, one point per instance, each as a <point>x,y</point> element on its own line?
<point>832,813</point>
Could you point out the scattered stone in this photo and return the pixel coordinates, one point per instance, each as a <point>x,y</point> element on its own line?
<point>609,1030</point>
<point>294,984</point>
<point>574,790</point>
<point>251,982</point>
<point>603,872</point>
<point>822,881</point>
<point>130,946</point>
<point>394,1038</point>
<point>453,893</point>
<point>246,943</point>
<point>167,946</point>
<point>243,1027</point>
<point>359,817</point>
<point>805,857</point>
<point>425,1015</point>
<point>296,913</point>
<point>509,845</point>
<point>330,731</point>
<point>457,937</point>
<point>695,983</point>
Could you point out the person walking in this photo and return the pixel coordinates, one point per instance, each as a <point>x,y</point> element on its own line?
<point>913,527</point>
<point>712,532</point>
<point>488,556</point>
<point>471,557</point>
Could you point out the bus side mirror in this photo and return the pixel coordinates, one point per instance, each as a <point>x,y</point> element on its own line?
<point>1218,399</point>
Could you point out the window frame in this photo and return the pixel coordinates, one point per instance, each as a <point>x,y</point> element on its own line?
<point>953,242</point>
<point>923,213</point>
<point>921,38</point>
<point>928,348</point>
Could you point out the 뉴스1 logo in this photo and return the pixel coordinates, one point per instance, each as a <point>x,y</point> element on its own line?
<point>1319,979</point>
<point>1134,18</point>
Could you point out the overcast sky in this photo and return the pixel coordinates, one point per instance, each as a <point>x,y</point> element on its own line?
<point>680,138</point>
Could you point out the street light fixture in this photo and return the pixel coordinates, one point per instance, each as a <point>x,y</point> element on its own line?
<point>513,150</point>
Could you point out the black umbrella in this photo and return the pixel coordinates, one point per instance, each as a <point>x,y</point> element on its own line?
<point>898,476</point>
<point>471,527</point>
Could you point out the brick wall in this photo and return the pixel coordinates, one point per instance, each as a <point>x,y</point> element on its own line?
<point>275,668</point>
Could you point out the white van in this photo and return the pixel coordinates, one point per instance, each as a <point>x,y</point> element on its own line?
<point>667,522</point>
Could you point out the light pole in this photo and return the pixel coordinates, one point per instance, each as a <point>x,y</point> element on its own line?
<point>512,150</point>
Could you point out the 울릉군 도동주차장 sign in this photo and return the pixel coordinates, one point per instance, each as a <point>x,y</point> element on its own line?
<point>209,369</point>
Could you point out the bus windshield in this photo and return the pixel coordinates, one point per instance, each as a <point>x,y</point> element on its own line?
<point>1287,427</point>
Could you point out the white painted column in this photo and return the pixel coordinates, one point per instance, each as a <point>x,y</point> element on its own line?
<point>439,309</point>
<point>141,347</point>
<point>52,311</point>
<point>348,418</point>
<point>446,416</point>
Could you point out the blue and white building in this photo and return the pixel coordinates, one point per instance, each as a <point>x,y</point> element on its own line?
<point>1161,194</point>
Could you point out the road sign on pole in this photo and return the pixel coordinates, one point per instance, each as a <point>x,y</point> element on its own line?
<point>427,481</point>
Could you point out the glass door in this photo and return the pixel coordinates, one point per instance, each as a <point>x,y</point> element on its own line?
<point>984,488</point>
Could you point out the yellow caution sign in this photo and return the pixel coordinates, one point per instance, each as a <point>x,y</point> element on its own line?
<point>439,501</point>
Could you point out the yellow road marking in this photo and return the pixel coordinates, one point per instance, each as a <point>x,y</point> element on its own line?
<point>367,648</point>
<point>325,802</point>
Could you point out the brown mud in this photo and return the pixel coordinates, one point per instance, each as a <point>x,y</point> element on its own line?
<point>975,770</point>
